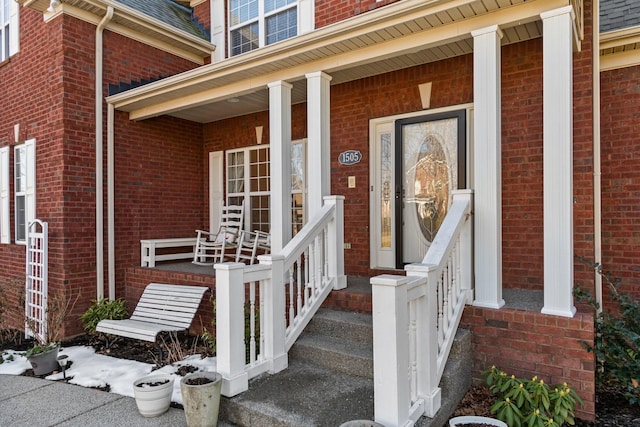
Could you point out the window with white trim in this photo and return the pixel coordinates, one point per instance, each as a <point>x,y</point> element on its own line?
<point>248,180</point>
<point>5,236</point>
<point>9,33</point>
<point>258,23</point>
<point>24,168</point>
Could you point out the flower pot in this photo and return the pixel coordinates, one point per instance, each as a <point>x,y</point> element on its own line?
<point>472,421</point>
<point>361,423</point>
<point>44,363</point>
<point>201,398</point>
<point>153,394</point>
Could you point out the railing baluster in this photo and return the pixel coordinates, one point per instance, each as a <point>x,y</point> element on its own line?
<point>413,350</point>
<point>291,295</point>
<point>252,322</point>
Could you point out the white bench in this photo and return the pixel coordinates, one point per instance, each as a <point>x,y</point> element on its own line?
<point>161,308</point>
<point>148,248</point>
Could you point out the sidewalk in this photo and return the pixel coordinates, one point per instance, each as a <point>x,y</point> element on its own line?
<point>27,401</point>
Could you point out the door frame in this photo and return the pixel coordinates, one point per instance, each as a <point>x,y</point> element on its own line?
<point>374,190</point>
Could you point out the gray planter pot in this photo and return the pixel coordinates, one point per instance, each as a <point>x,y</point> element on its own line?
<point>466,419</point>
<point>44,363</point>
<point>201,402</point>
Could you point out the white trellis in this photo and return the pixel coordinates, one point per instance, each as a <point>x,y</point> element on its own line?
<point>36,280</point>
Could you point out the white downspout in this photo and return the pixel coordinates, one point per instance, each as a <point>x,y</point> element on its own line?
<point>597,179</point>
<point>99,187</point>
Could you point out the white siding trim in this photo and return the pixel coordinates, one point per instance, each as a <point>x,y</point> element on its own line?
<point>5,230</point>
<point>30,161</point>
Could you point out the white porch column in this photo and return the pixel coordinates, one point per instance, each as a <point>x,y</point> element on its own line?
<point>558,161</point>
<point>318,139</point>
<point>487,170</point>
<point>280,153</point>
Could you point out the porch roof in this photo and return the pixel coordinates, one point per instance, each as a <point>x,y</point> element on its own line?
<point>400,35</point>
<point>165,25</point>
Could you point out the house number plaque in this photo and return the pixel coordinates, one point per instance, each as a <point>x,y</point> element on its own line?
<point>350,157</point>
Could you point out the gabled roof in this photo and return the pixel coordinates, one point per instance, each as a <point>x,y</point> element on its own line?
<point>164,24</point>
<point>619,14</point>
<point>169,12</point>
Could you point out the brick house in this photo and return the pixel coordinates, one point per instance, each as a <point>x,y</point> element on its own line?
<point>135,119</point>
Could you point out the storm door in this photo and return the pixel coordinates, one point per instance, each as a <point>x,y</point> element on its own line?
<point>418,162</point>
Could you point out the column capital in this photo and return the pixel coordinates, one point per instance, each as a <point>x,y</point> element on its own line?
<point>320,74</point>
<point>487,30</point>
<point>558,12</point>
<point>280,83</point>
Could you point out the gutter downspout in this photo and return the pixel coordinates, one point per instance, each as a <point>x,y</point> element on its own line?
<point>597,179</point>
<point>99,185</point>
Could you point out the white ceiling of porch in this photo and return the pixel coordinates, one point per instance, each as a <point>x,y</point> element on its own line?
<point>418,33</point>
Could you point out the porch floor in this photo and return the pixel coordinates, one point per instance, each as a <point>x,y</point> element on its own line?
<point>357,296</point>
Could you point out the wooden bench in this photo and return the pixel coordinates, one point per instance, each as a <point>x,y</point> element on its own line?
<point>161,308</point>
<point>148,256</point>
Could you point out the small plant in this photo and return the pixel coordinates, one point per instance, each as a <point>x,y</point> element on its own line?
<point>58,307</point>
<point>531,403</point>
<point>103,309</point>
<point>617,337</point>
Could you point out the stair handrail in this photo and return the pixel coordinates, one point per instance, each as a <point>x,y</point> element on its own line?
<point>414,334</point>
<point>305,271</point>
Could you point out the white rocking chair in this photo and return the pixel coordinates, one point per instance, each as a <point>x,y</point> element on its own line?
<point>211,248</point>
<point>249,243</point>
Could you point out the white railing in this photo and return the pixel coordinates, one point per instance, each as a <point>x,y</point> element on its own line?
<point>415,318</point>
<point>262,309</point>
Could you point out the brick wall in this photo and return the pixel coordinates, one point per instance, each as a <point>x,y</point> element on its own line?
<point>526,343</point>
<point>331,11</point>
<point>48,88</point>
<point>620,144</point>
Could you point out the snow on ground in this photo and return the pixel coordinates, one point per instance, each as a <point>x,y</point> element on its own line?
<point>95,370</point>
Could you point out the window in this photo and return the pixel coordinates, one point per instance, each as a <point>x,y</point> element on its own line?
<point>4,195</point>
<point>8,28</point>
<point>258,23</point>
<point>24,187</point>
<point>248,180</point>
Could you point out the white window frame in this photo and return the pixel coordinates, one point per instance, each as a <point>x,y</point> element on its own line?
<point>24,155</point>
<point>304,12</point>
<point>9,29</point>
<point>5,233</point>
<point>246,194</point>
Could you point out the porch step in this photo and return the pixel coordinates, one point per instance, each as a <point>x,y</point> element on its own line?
<point>329,379</point>
<point>337,340</point>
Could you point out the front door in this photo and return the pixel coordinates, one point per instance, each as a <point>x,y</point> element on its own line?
<point>418,162</point>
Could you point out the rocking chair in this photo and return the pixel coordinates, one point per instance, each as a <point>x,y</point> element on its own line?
<point>211,248</point>
<point>249,243</point>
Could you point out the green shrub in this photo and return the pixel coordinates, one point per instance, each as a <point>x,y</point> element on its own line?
<point>103,309</point>
<point>617,338</point>
<point>531,403</point>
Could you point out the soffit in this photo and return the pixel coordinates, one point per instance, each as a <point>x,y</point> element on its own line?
<point>397,36</point>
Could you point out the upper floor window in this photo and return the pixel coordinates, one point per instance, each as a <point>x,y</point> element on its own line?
<point>24,187</point>
<point>258,23</point>
<point>8,28</point>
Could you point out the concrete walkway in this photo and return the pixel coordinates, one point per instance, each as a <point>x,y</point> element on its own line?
<point>27,401</point>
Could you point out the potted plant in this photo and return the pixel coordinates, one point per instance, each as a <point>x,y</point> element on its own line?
<point>153,394</point>
<point>43,356</point>
<point>201,398</point>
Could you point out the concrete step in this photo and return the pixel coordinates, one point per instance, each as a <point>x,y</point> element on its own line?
<point>352,358</point>
<point>353,327</point>
<point>329,379</point>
